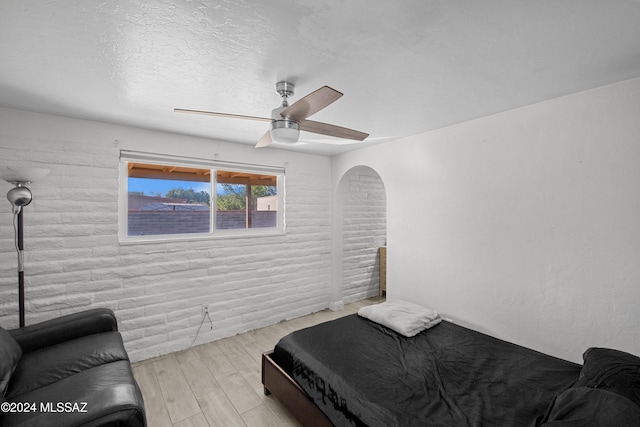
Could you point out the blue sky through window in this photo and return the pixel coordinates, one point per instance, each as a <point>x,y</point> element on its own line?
<point>159,187</point>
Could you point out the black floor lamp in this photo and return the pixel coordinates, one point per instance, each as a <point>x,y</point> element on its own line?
<point>19,197</point>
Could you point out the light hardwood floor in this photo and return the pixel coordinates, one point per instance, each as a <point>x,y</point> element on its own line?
<point>219,383</point>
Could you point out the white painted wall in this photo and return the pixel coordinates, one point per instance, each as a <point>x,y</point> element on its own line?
<point>364,230</point>
<point>74,260</point>
<point>525,224</point>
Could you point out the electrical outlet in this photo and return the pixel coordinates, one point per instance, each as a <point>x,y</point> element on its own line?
<point>205,309</point>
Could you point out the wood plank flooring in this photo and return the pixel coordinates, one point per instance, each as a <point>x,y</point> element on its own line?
<point>219,384</point>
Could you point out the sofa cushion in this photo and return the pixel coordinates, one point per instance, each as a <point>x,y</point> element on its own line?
<point>50,364</point>
<point>10,353</point>
<point>105,395</point>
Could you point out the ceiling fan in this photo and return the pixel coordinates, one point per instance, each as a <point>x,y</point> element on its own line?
<point>288,120</point>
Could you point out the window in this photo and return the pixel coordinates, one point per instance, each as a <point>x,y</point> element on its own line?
<point>245,200</point>
<point>167,197</point>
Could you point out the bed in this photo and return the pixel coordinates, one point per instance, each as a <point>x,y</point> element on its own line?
<point>353,371</point>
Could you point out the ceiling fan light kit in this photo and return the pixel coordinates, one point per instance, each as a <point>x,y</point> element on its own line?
<point>286,131</point>
<point>288,120</point>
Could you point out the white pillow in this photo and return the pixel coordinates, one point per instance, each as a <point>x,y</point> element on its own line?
<point>404,317</point>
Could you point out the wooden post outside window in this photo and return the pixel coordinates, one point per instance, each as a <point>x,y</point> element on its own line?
<point>249,205</point>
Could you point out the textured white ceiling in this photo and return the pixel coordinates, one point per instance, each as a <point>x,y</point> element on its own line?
<point>405,67</point>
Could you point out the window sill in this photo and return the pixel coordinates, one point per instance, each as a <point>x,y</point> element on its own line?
<point>219,235</point>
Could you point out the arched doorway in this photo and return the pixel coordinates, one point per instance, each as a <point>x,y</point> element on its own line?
<point>361,229</point>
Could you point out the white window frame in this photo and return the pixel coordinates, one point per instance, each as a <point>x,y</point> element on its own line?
<point>127,156</point>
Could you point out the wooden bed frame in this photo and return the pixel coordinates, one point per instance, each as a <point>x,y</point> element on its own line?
<point>289,393</point>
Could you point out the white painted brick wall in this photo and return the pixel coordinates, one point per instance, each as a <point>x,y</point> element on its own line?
<point>74,260</point>
<point>364,228</point>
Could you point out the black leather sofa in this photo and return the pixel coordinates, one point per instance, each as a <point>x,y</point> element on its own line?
<point>68,371</point>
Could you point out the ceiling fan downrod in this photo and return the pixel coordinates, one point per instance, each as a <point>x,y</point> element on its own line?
<point>285,89</point>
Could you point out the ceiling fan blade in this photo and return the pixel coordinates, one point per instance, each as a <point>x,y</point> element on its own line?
<point>311,104</point>
<point>332,130</point>
<point>264,140</point>
<point>231,116</point>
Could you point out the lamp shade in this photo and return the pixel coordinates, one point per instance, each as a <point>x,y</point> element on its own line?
<point>22,175</point>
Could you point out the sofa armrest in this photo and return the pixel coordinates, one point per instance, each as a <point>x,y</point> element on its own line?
<point>64,328</point>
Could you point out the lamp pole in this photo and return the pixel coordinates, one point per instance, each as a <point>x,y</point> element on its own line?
<point>20,268</point>
<point>19,197</point>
